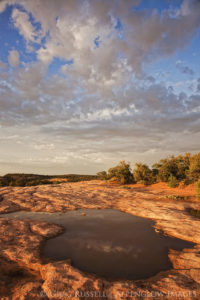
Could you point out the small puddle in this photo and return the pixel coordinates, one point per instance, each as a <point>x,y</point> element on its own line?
<point>108,243</point>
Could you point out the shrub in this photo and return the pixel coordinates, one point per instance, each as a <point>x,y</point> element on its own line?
<point>166,167</point>
<point>172,181</point>
<point>143,174</point>
<point>194,169</point>
<point>176,166</point>
<point>121,172</point>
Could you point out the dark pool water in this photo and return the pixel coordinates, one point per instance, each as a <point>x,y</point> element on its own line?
<point>108,243</point>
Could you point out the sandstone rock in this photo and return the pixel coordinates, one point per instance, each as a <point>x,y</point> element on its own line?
<point>25,274</point>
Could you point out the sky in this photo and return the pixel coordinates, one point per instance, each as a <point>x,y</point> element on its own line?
<point>85,84</point>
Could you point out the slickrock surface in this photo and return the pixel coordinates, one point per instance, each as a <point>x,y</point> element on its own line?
<point>25,274</point>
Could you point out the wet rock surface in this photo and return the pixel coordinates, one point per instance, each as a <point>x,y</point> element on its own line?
<point>25,274</point>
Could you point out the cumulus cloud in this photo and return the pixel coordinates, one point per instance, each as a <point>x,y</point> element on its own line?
<point>21,21</point>
<point>70,28</point>
<point>96,109</point>
<point>13,58</point>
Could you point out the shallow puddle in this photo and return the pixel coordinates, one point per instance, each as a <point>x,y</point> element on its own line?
<point>108,243</point>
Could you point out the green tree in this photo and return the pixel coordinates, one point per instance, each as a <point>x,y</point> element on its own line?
<point>121,172</point>
<point>183,164</point>
<point>142,173</point>
<point>194,168</point>
<point>166,167</point>
<point>176,166</point>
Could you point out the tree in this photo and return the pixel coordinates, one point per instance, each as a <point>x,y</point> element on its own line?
<point>167,167</point>
<point>194,168</point>
<point>183,163</point>
<point>175,166</point>
<point>142,173</point>
<point>121,172</point>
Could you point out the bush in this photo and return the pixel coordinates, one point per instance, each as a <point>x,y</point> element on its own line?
<point>198,188</point>
<point>176,166</point>
<point>121,172</point>
<point>143,174</point>
<point>194,169</point>
<point>172,181</point>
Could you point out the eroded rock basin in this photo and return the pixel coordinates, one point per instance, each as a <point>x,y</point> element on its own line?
<point>108,243</point>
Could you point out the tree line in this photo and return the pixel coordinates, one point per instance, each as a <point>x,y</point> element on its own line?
<point>18,179</point>
<point>173,170</point>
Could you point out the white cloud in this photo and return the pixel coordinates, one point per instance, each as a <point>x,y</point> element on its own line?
<point>22,22</point>
<point>73,25</point>
<point>13,58</point>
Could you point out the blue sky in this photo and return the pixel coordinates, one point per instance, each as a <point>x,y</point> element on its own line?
<point>86,84</point>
